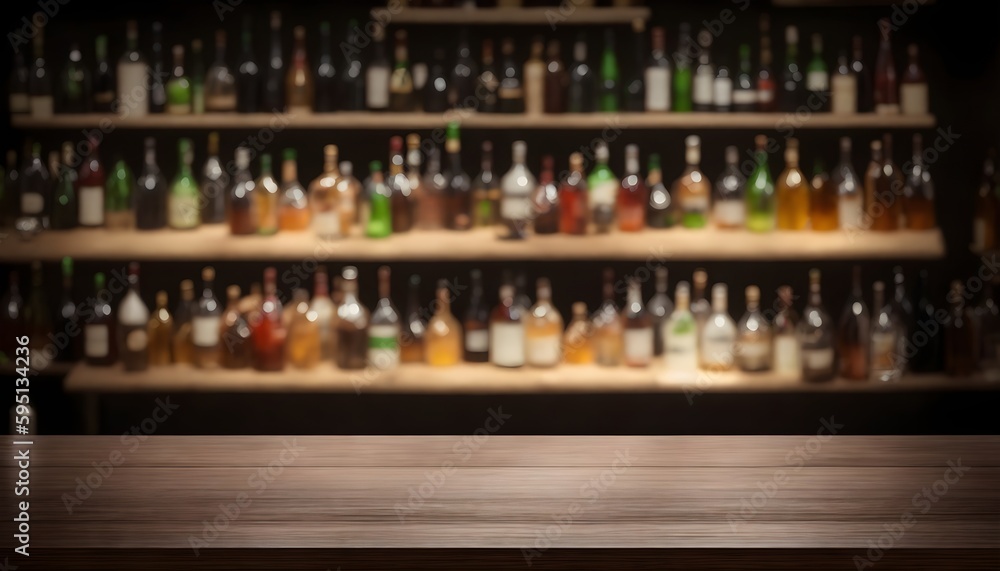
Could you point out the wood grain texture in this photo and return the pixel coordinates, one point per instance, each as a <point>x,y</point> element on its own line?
<point>504,492</point>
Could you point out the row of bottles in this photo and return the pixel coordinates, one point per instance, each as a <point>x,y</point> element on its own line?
<point>544,83</point>
<point>408,196</point>
<point>266,331</point>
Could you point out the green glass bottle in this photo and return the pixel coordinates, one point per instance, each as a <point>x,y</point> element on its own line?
<point>178,86</point>
<point>64,206</point>
<point>183,212</point>
<point>603,185</point>
<point>379,216</point>
<point>197,79</point>
<point>119,188</point>
<point>682,71</point>
<point>818,77</point>
<point>759,193</point>
<point>608,96</point>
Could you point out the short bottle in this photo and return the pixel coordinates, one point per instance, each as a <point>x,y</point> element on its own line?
<point>443,338</point>
<point>133,318</point>
<point>507,331</point>
<point>608,326</point>
<point>577,344</point>
<point>787,354</point>
<point>235,350</point>
<point>718,336</point>
<point>268,329</point>
<point>638,324</point>
<point>158,331</point>
<point>680,335</point>
<point>543,329</point>
<point>728,203</point>
<point>293,205</point>
<point>692,190</point>
<point>304,347</point>
<point>352,324</point>
<point>384,329</point>
<point>205,323</point>
<point>753,344</point>
<point>816,336</point>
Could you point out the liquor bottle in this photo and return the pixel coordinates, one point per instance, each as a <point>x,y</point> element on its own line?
<point>657,74</point>
<point>823,201</point>
<point>863,73</point>
<point>214,181</point>
<point>792,192</point>
<point>303,344</point>
<point>293,206</point>
<point>699,305</point>
<point>377,208</point>
<point>703,83</point>
<point>718,334</point>
<point>753,343</point>
<point>543,329</point>
<point>984,217</point>
<point>75,84</point>
<point>67,318</point>
<point>459,195</point>
<point>10,192</point>
<point>37,316</point>
<point>443,336</point>
<point>151,192</point>
<point>324,198</point>
<point>849,200</point>
<point>351,191</point>
<point>886,90</point>
<point>248,74</point>
<point>577,346</point>
<point>353,84</point>
<point>603,186</point>
<point>886,339</point>
<point>927,357</point>
<point>787,360</point>
<point>744,94</point>
<point>431,208</point>
<point>132,76</point>
<point>274,72</point>
<point>885,207</point>
<point>12,316</point>
<point>875,178</point>
<point>961,340</point>
<point>728,203</point>
<point>401,98</point>
<point>36,190</point>
<point>488,81</point>
<point>662,211</point>
<point>181,344</point>
<point>767,100</point>
<point>265,196</point>
<point>133,317</point>
<point>639,326</point>
<point>987,314</point>
<point>660,308</point>
<point>816,336</point>
<point>722,90</point>
<point>682,81</point>
<point>158,331</point>
<point>760,200</point>
<point>17,99</point>
<point>854,332</point>
<point>268,332</point>
<point>902,308</point>
<point>377,73</point>
<point>534,79</point>
<point>462,91</point>
<point>633,194</point>
<point>100,348</point>
<point>322,305</point>
<point>220,84</point>
<point>680,335</point>
<point>545,199</point>
<point>581,96</point>
<point>236,350</point>
<point>242,215</point>
<point>692,189</point>
<point>119,191</point>
<point>635,85</point>
<point>183,211</point>
<point>197,79</point>
<point>157,89</point>
<point>64,205</point>
<point>89,189</point>
<point>573,210</point>
<point>608,94</point>
<point>507,331</point>
<point>607,323</point>
<point>178,86</point>
<point>414,327</point>
<point>556,79</point>
<point>436,92</point>
<point>918,192</point>
<point>818,78</point>
<point>913,87</point>
<point>516,185</point>
<point>40,98</point>
<point>414,181</point>
<point>510,94</point>
<point>104,84</point>
<point>485,190</point>
<point>844,88</point>
<point>477,322</point>
<point>205,323</point>
<point>792,89</point>
<point>384,331</point>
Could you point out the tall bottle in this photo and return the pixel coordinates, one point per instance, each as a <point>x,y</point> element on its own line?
<point>268,331</point>
<point>10,192</point>
<point>918,192</point>
<point>885,206</point>
<point>75,84</point>
<point>90,188</point>
<point>581,97</point>
<point>100,346</point>
<point>248,84</point>
<point>18,99</point>
<point>691,189</point>
<point>556,79</point>
<point>401,97</point>
<point>151,192</point>
<point>853,333</point>
<point>462,86</point>
<point>266,194</point>
<point>961,339</point>
<point>767,89</point>
<point>603,186</point>
<point>205,323</point>
<point>816,336</point>
<point>657,74</point>
<point>886,339</point>
<point>607,341</point>
<point>384,330</point>
<point>324,198</point>
<point>728,202</point>
<point>660,309</point>
<point>823,201</point>
<point>352,80</point>
<point>220,84</point>
<point>197,79</point>
<point>905,315</point>
<point>352,324</point>
<point>431,208</point>
<point>37,315</point>
<point>703,82</point>
<point>67,317</point>
<point>485,190</point>
<point>573,209</point>
<point>633,196</point>
<point>104,87</point>
<point>545,199</point>
<point>274,73</point>
<point>40,97</point>
<point>886,88</point>
<point>639,339</point>
<point>459,195</point>
<point>662,211</point>
<point>507,331</point>
<point>792,192</point>
<point>214,182</point>
<point>913,87</point>
<point>414,179</point>
<point>722,90</point>
<point>753,342</point>
<point>181,344</point>
<point>818,78</point>
<point>844,88</point>
<point>183,210</point>
<point>293,206</point>
<point>680,335</point>
<point>63,179</point>
<point>477,323</point>
<point>12,316</point>
<point>760,200</point>
<point>322,304</point>
<point>792,88</point>
<point>414,325</point>
<point>443,339</point>
<point>36,190</point>
<point>377,208</point>
<point>303,345</point>
<point>435,94</point>
<point>236,347</point>
<point>133,317</point>
<point>119,190</point>
<point>534,79</point>
<point>928,356</point>
<point>849,201</point>
<point>863,71</point>
<point>510,94</point>
<point>132,76</point>
<point>700,307</point>
<point>718,335</point>
<point>682,80</point>
<point>608,97</point>
<point>158,331</point>
<point>985,211</point>
<point>787,361</point>
<point>543,329</point>
<point>577,342</point>
<point>516,187</point>
<point>378,73</point>
<point>179,96</point>
<point>488,80</point>
<point>242,215</point>
<point>744,90</point>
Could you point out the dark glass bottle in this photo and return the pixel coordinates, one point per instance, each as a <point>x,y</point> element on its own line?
<point>853,333</point>
<point>767,100</point>
<point>436,90</point>
<point>556,80</point>
<point>573,208</point>
<point>104,81</point>
<point>17,86</point>
<point>477,323</point>
<point>402,98</point>
<point>608,97</point>
<point>660,308</point>
<point>488,81</point>
<point>64,206</point>
<point>863,73</point>
<point>133,319</point>
<point>151,193</point>
<point>74,96</point>
<point>67,327</point>
<point>961,339</point>
<point>99,348</point>
<point>402,199</point>
<point>928,337</point>
<point>635,86</point>
<point>463,74</point>
<point>459,195</point>
<point>886,86</point>
<point>157,89</point>
<point>36,190</point>
<point>267,328</point>
<point>10,192</point>
<point>582,83</point>
<point>510,95</point>
<point>326,73</point>
<point>214,184</point>
<point>661,213</point>
<point>274,72</point>
<point>792,88</point>
<point>37,315</point>
<point>235,345</point>
<point>248,89</point>
<point>12,315</point>
<point>353,83</point>
<point>414,326</point>
<point>744,94</point>
<point>545,199</point>
<point>352,324</point>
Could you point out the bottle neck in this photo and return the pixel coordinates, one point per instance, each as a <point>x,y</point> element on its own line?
<point>289,171</point>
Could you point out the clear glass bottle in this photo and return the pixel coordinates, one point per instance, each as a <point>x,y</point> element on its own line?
<point>913,98</point>
<point>507,331</point>
<point>787,359</point>
<point>133,318</point>
<point>158,332</point>
<point>577,343</point>
<point>132,75</point>
<point>692,189</point>
<point>633,196</point>
<point>718,335</point>
<point>377,72</point>
<point>516,187</point>
<point>205,323</point>
<point>660,308</point>
<point>268,331</point>
<point>918,192</point>
<point>325,310</point>
<point>443,338</point>
<point>853,333</point>
<point>183,210</point>
<point>235,351</point>
<point>214,182</point>
<point>639,326</point>
<point>844,88</point>
<point>293,205</point>
<point>886,339</point>
<point>241,204</point>
<point>220,83</point>
<point>384,329</point>
<point>850,202</point>
<point>303,346</point>
<point>324,198</point>
<point>100,344</point>
<point>350,191</point>
<point>728,203</point>
<point>816,336</point>
<point>753,345</point>
<point>607,321</point>
<point>299,83</point>
<point>543,329</point>
<point>352,324</point>
<point>181,345</point>
<point>680,335</point>
<point>792,192</point>
<point>266,193</point>
<point>662,210</point>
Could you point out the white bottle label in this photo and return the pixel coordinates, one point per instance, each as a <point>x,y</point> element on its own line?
<point>787,355</point>
<point>817,81</point>
<point>507,344</point>
<point>534,89</point>
<point>913,98</point>
<point>729,212</point>
<point>383,347</point>
<point>515,208</point>
<point>718,351</point>
<point>745,96</point>
<point>136,340</point>
<point>326,223</point>
<point>638,347</point>
<point>19,103</point>
<point>755,354</point>
<point>701,89</point>
<point>205,330</point>
<point>184,212</point>
<point>696,203</point>
<point>817,359</point>
<point>41,106</point>
<point>681,352</point>
<point>477,341</point>
<point>133,93</point>
<point>883,349</point>
<point>850,212</point>
<point>95,341</point>
<point>604,194</point>
<point>844,98</point>
<point>377,87</point>
<point>722,92</point>
<point>765,95</point>
<point>544,351</point>
<point>91,205</point>
<point>657,89</point>
<point>32,203</point>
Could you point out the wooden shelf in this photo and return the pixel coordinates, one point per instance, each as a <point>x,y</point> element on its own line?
<point>473,120</point>
<point>552,16</point>
<point>214,243</point>
<point>477,378</point>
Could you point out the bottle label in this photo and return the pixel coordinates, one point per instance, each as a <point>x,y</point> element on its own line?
<point>534,89</point>
<point>32,203</point>
<point>91,205</point>
<point>507,344</point>
<point>477,341</point>
<point>544,351</point>
<point>697,204</point>
<point>205,330</point>
<point>515,208</point>
<point>657,89</point>
<point>718,351</point>
<point>817,81</point>
<point>638,347</point>
<point>702,90</point>
<point>787,355</point>
<point>745,96</point>
<point>755,354</point>
<point>883,350</point>
<point>95,341</point>
<point>377,87</point>
<point>913,98</point>
<point>184,211</point>
<point>844,98</point>
<point>132,89</point>
<point>41,106</point>
<point>326,223</point>
<point>850,212</point>
<point>729,212</point>
<point>136,339</point>
<point>383,346</point>
<point>681,351</point>
<point>604,193</point>
<point>722,92</point>
<point>19,103</point>
<point>818,359</point>
<point>765,95</point>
